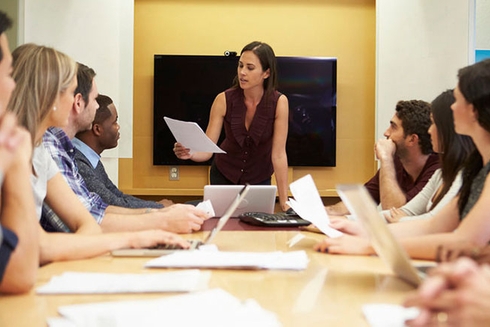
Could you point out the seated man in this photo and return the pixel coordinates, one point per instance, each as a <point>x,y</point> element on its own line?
<point>177,218</point>
<point>405,156</point>
<point>90,144</point>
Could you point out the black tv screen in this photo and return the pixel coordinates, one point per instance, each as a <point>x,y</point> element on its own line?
<point>185,87</point>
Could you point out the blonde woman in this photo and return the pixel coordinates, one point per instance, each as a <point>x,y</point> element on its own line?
<point>46,82</point>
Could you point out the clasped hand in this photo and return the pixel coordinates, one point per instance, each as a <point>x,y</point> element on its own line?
<point>384,149</point>
<point>455,294</point>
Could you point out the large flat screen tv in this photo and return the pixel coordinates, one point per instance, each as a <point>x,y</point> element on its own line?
<point>186,85</point>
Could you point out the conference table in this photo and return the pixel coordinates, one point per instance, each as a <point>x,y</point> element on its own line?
<point>330,292</point>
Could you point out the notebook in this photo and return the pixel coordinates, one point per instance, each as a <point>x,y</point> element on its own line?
<point>260,198</point>
<point>361,204</point>
<point>156,252</point>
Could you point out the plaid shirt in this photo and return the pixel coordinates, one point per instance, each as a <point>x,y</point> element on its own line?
<point>62,150</point>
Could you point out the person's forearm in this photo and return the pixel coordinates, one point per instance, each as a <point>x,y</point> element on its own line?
<point>201,156</point>
<point>129,201</point>
<point>19,215</point>
<point>445,221</point>
<point>116,210</point>
<point>391,195</point>
<point>425,247</point>
<point>409,229</point>
<point>77,246</point>
<point>281,173</point>
<point>425,216</point>
<point>111,195</point>
<point>337,209</point>
<point>114,222</point>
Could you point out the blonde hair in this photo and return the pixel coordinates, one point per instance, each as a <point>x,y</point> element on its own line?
<point>41,74</point>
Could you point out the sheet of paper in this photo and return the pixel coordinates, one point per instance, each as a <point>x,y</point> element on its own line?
<point>60,322</point>
<point>308,205</point>
<point>191,136</point>
<point>88,283</point>
<point>207,207</point>
<point>295,260</point>
<point>388,315</point>
<point>214,307</point>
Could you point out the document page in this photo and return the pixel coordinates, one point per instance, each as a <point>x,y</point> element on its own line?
<point>392,315</point>
<point>215,307</point>
<point>93,283</point>
<point>294,260</point>
<point>308,205</point>
<point>190,135</point>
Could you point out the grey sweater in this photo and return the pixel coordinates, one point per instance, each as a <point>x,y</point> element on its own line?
<point>98,182</point>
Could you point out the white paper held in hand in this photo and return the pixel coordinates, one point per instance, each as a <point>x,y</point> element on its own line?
<point>207,207</point>
<point>309,206</point>
<point>190,135</point>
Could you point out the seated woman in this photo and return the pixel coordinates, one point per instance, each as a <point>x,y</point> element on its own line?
<point>453,150</point>
<point>46,81</point>
<point>463,219</point>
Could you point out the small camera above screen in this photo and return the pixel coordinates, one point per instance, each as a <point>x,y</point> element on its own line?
<point>230,53</point>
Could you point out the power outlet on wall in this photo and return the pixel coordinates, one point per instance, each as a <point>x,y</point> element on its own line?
<point>173,173</point>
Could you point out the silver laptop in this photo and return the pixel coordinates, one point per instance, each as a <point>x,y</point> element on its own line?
<point>361,204</point>
<point>260,198</point>
<point>156,252</point>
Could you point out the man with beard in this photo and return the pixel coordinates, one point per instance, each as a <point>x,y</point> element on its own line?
<point>405,157</point>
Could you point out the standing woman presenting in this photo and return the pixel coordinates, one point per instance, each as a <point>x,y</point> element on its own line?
<point>255,117</point>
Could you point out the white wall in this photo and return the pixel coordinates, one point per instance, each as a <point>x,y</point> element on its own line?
<point>420,45</point>
<point>100,35</point>
<point>482,24</point>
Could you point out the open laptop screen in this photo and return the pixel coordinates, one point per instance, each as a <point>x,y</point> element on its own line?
<point>260,198</point>
<point>361,204</point>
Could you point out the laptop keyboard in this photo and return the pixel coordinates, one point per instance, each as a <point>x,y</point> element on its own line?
<point>273,219</point>
<point>194,245</point>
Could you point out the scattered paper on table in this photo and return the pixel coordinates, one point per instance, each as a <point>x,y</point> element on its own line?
<point>388,315</point>
<point>215,307</point>
<point>60,322</point>
<point>89,283</point>
<point>295,260</point>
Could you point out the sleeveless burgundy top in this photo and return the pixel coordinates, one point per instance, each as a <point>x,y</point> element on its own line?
<point>248,152</point>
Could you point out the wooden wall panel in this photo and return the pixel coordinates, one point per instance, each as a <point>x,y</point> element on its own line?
<point>331,28</point>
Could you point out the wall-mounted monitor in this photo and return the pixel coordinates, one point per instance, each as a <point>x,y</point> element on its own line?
<point>186,85</point>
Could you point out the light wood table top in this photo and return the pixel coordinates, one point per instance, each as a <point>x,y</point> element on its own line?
<point>330,292</point>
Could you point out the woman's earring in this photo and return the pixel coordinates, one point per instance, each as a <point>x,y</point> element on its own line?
<point>54,108</point>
